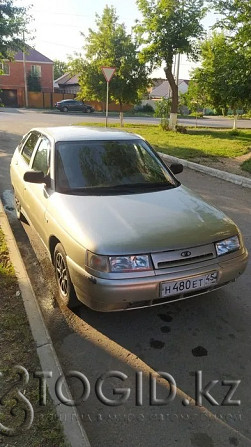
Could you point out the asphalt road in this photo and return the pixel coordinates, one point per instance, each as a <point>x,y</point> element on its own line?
<point>30,118</point>
<point>208,333</point>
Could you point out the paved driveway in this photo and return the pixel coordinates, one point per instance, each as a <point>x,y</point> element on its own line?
<point>208,333</point>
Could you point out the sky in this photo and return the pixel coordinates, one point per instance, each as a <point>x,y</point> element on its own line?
<point>57,26</point>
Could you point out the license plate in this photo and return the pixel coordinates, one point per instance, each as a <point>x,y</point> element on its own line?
<point>170,288</point>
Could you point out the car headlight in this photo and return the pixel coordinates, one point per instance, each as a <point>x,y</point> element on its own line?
<point>119,264</point>
<point>227,245</point>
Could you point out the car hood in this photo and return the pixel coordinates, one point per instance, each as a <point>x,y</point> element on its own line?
<point>140,223</point>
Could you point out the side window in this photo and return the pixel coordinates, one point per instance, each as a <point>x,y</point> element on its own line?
<point>41,159</point>
<point>22,142</point>
<point>29,146</point>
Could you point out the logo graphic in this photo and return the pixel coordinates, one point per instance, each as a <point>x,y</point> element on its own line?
<point>185,254</point>
<point>17,405</point>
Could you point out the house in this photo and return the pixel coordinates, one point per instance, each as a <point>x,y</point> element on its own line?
<point>12,82</point>
<point>67,84</point>
<point>163,90</point>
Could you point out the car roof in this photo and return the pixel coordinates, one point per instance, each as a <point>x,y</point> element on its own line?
<point>75,133</point>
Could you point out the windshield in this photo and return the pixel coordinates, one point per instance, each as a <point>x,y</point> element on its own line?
<point>101,167</point>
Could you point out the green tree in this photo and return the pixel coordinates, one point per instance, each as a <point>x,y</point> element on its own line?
<point>169,27</point>
<point>33,82</point>
<point>196,97</point>
<point>60,68</point>
<point>235,17</point>
<point>14,20</point>
<point>110,46</point>
<point>225,73</point>
<point>162,111</point>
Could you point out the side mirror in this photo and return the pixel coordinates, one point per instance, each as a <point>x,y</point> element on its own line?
<point>176,168</point>
<point>35,177</point>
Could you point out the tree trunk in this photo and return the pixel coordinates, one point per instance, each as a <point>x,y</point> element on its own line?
<point>121,114</point>
<point>175,98</point>
<point>235,120</point>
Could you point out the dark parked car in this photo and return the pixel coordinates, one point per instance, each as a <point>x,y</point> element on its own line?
<point>68,105</point>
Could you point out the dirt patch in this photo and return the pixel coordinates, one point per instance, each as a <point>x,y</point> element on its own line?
<point>232,165</point>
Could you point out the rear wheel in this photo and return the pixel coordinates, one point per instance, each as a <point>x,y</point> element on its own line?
<point>65,286</point>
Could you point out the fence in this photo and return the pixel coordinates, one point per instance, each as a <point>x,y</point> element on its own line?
<point>45,100</point>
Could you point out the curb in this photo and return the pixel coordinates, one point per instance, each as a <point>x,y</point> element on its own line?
<point>233,178</point>
<point>72,426</point>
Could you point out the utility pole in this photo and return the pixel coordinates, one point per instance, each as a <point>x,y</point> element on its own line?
<point>178,68</point>
<point>25,79</point>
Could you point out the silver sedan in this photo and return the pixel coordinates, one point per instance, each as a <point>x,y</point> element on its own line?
<point>121,230</point>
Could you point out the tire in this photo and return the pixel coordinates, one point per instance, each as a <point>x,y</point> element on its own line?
<point>65,109</point>
<point>18,208</point>
<point>65,286</point>
<point>88,110</point>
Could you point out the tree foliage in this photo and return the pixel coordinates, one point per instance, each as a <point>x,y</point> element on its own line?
<point>110,46</point>
<point>14,20</point>
<point>169,27</point>
<point>60,68</point>
<point>225,73</point>
<point>235,17</point>
<point>196,98</point>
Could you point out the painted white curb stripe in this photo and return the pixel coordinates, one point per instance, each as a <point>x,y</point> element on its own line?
<point>233,178</point>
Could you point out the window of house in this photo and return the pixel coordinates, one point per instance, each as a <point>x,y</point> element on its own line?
<point>36,70</point>
<point>4,68</point>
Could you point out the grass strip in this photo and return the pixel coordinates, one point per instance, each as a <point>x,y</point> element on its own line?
<point>18,348</point>
<point>196,144</point>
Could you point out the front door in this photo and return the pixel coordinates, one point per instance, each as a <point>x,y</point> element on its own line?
<point>36,195</point>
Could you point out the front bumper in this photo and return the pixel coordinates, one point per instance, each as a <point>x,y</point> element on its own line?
<point>107,295</point>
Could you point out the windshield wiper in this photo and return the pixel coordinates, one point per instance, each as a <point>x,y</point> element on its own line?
<point>143,185</point>
<point>117,189</point>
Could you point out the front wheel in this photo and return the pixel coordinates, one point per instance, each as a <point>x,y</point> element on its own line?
<point>65,286</point>
<point>65,109</point>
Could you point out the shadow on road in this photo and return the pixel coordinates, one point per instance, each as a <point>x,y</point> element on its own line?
<point>10,110</point>
<point>8,143</point>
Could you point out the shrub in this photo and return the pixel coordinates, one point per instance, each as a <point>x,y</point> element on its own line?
<point>181,129</point>
<point>164,124</point>
<point>162,108</point>
<point>235,132</point>
<point>147,108</point>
